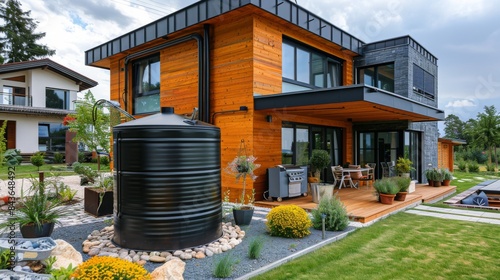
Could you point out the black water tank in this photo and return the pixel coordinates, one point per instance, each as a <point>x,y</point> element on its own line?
<point>167,183</point>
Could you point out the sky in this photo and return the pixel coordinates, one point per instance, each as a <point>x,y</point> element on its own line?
<point>463,34</point>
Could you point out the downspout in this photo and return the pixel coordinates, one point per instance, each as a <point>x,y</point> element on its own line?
<point>186,38</point>
<point>206,80</point>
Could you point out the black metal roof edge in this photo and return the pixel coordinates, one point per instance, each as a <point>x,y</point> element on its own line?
<point>85,82</point>
<point>34,110</point>
<point>183,18</point>
<point>349,93</point>
<point>417,46</point>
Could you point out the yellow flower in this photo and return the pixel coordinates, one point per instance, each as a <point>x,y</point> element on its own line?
<point>105,267</point>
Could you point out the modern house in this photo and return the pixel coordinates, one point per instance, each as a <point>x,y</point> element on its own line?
<point>36,95</point>
<point>282,79</point>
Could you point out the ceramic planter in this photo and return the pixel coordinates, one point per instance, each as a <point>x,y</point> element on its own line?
<point>92,200</point>
<point>243,216</point>
<point>32,231</point>
<point>386,198</point>
<point>400,196</point>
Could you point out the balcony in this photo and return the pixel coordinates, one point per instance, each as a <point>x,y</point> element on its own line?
<point>7,98</point>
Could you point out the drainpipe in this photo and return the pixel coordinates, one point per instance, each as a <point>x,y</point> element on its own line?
<point>186,38</point>
<point>206,79</point>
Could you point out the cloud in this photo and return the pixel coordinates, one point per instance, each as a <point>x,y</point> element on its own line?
<point>461,103</point>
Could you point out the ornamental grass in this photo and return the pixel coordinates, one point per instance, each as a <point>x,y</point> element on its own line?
<point>105,267</point>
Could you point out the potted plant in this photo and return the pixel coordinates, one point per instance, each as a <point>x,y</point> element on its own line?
<point>429,175</point>
<point>320,159</point>
<point>447,177</point>
<point>404,166</point>
<point>242,167</point>
<point>98,199</point>
<point>437,177</point>
<point>403,185</point>
<point>386,189</point>
<point>37,213</point>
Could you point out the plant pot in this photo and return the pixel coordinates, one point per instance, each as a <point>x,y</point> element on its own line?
<point>243,216</point>
<point>436,183</point>
<point>386,198</point>
<point>400,196</point>
<point>431,183</point>
<point>445,183</point>
<point>91,202</point>
<point>32,231</point>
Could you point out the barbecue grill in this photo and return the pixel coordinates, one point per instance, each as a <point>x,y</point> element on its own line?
<point>287,181</point>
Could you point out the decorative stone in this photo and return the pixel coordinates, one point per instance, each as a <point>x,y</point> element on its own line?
<point>65,255</point>
<point>172,270</point>
<point>186,256</point>
<point>157,259</point>
<point>199,255</point>
<point>209,252</point>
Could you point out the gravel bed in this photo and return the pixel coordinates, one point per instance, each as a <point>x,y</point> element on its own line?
<point>274,249</point>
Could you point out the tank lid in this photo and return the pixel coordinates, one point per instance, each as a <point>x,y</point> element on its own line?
<point>166,117</point>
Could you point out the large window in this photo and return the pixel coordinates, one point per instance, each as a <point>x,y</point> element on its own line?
<point>14,96</point>
<point>423,82</point>
<point>304,68</point>
<point>298,141</point>
<point>380,76</point>
<point>51,137</point>
<point>146,85</point>
<point>57,99</point>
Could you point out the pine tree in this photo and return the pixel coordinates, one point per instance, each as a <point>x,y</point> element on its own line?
<point>18,40</point>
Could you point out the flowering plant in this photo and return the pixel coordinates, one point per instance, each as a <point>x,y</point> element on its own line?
<point>68,119</point>
<point>241,167</point>
<point>105,267</point>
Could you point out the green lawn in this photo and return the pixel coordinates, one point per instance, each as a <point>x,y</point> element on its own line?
<point>406,246</point>
<point>29,170</point>
<point>403,246</point>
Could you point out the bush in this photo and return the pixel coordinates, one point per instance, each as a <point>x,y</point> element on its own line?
<point>386,186</point>
<point>336,214</point>
<point>289,221</point>
<point>462,165</point>
<point>473,166</point>
<point>87,174</point>
<point>490,167</point>
<point>104,160</point>
<point>403,183</point>
<point>58,157</point>
<point>37,159</point>
<point>105,267</point>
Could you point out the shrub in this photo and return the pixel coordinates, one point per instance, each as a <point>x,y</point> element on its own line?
<point>105,267</point>
<point>81,157</point>
<point>255,248</point>
<point>490,167</point>
<point>289,221</point>
<point>473,166</point>
<point>37,159</point>
<point>462,165</point>
<point>58,157</point>
<point>403,183</point>
<point>224,267</point>
<point>87,174</point>
<point>336,217</point>
<point>386,186</point>
<point>104,160</point>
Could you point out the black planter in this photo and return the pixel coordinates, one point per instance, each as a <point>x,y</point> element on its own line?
<point>32,231</point>
<point>243,217</point>
<point>91,197</point>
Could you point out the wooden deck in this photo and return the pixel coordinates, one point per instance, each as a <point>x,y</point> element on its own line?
<point>362,205</point>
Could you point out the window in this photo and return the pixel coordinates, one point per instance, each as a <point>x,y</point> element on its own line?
<point>380,76</point>
<point>51,137</point>
<point>146,85</point>
<point>57,99</point>
<point>304,68</point>
<point>14,96</point>
<point>423,82</point>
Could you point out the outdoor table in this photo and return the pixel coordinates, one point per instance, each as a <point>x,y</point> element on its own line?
<point>348,171</point>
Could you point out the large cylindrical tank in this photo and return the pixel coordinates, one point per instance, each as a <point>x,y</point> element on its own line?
<point>167,183</point>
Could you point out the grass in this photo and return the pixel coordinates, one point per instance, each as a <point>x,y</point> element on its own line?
<point>29,170</point>
<point>403,246</point>
<point>406,246</point>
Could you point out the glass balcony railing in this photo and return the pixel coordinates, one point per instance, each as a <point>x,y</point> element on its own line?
<point>15,99</point>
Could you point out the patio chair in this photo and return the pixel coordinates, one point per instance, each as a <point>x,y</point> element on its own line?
<point>340,177</point>
<point>369,176</point>
<point>385,169</point>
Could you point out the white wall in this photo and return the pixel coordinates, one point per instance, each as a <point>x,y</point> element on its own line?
<point>42,79</point>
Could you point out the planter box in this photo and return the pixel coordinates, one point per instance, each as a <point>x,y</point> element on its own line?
<point>29,254</point>
<point>91,202</point>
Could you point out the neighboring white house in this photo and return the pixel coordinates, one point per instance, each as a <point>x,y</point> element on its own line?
<point>35,96</point>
